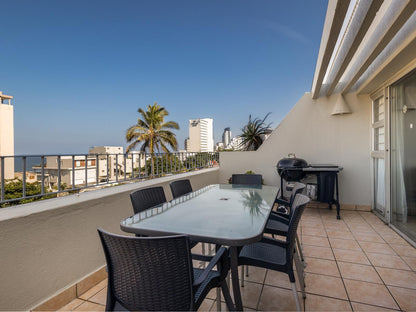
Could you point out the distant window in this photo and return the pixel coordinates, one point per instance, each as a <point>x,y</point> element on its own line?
<point>78,163</point>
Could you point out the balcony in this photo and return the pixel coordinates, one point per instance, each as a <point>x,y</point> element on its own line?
<point>54,259</point>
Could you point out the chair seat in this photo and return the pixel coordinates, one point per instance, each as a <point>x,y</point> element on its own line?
<point>263,255</point>
<point>276,227</point>
<point>213,280</point>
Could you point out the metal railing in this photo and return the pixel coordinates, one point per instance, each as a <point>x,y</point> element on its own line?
<point>26,178</point>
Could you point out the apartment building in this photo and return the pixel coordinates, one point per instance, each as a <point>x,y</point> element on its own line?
<point>7,134</point>
<point>201,135</point>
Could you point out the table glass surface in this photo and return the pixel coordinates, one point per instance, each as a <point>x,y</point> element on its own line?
<point>224,212</point>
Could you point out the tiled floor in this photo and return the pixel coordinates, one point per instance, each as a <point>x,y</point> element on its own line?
<point>357,263</point>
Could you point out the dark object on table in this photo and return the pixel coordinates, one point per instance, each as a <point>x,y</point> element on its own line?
<point>246,179</point>
<point>180,187</point>
<point>279,255</point>
<point>147,198</point>
<point>156,274</point>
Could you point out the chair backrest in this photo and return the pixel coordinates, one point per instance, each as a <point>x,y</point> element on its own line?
<point>180,187</point>
<point>247,179</point>
<point>148,273</point>
<point>297,189</point>
<point>146,198</point>
<point>297,209</point>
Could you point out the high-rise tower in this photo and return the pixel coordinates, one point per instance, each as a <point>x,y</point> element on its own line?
<point>201,135</point>
<point>7,134</point>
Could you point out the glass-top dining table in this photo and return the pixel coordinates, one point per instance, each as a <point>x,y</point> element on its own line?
<point>225,214</point>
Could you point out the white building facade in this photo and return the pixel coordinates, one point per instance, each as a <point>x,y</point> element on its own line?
<point>7,134</point>
<point>201,135</point>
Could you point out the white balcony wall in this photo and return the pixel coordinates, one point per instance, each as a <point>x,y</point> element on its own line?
<point>313,134</point>
<point>49,245</point>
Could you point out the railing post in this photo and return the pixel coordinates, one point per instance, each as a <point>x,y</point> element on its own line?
<point>86,171</point>
<point>59,172</point>
<point>24,177</point>
<point>73,171</point>
<point>97,169</point>
<point>2,177</point>
<point>116,167</point>
<point>108,168</point>
<point>125,167</point>
<point>42,175</point>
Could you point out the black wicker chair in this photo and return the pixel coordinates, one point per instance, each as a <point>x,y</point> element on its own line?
<point>180,187</point>
<point>246,179</point>
<point>147,198</point>
<point>278,222</point>
<point>156,274</point>
<point>279,255</point>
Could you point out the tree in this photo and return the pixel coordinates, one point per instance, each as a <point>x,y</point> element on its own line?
<point>253,133</point>
<point>152,131</point>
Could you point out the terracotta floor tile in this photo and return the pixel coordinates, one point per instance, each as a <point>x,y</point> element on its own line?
<point>359,272</point>
<point>406,298</point>
<point>387,261</point>
<point>72,305</point>
<point>365,307</point>
<point>277,299</point>
<point>405,250</point>
<point>395,240</point>
<point>92,291</point>
<point>367,237</point>
<point>339,243</point>
<point>321,266</point>
<point>339,234</point>
<point>377,248</point>
<point>315,241</point>
<point>399,278</point>
<point>274,278</point>
<point>255,274</point>
<point>89,306</point>
<point>352,256</point>
<point>369,293</point>
<point>250,294</point>
<point>325,285</point>
<point>206,305</point>
<point>313,231</point>
<point>100,297</point>
<point>365,228</point>
<point>411,262</point>
<point>320,303</point>
<point>318,252</point>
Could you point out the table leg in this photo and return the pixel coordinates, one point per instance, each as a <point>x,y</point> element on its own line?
<point>234,279</point>
<point>337,194</point>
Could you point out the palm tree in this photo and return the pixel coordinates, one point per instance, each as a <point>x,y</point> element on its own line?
<point>253,133</point>
<point>152,132</point>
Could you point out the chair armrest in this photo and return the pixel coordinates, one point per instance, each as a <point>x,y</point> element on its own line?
<point>282,202</point>
<point>278,217</point>
<point>221,259</point>
<point>274,241</point>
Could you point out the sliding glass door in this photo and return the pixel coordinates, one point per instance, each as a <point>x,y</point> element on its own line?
<point>403,155</point>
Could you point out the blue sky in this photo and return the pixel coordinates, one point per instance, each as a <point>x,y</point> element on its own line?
<point>79,70</point>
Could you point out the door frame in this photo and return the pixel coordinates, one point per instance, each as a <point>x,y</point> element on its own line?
<point>385,154</point>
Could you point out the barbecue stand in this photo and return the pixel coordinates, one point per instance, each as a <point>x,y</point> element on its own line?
<point>327,178</point>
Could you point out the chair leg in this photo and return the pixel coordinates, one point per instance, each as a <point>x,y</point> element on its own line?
<point>242,276</point>
<point>227,296</point>
<point>218,299</point>
<point>298,308</point>
<point>299,248</point>
<point>246,270</point>
<point>203,249</point>
<point>300,273</point>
